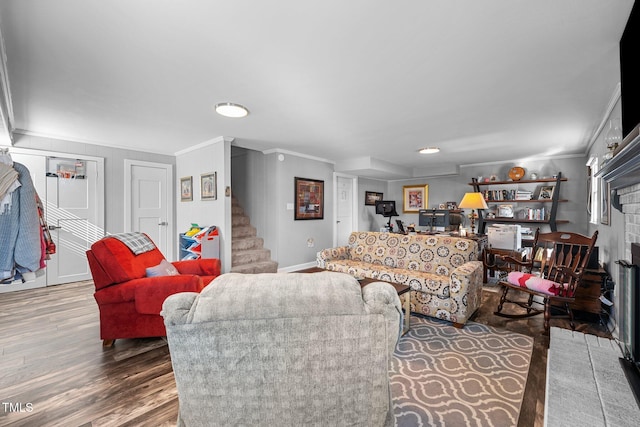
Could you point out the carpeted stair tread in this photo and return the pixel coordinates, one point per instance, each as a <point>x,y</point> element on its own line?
<point>250,256</point>
<point>246,243</point>
<point>240,220</point>
<point>237,210</point>
<point>243,231</point>
<point>256,267</point>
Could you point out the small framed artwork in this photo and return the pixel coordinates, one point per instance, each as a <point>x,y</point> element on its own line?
<point>371,197</point>
<point>546,192</point>
<point>208,186</point>
<point>186,189</point>
<point>605,205</point>
<point>415,197</point>
<point>505,211</point>
<point>309,197</point>
<point>452,205</point>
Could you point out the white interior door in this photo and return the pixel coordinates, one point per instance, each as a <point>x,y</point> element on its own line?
<point>72,214</point>
<point>148,202</point>
<point>346,208</point>
<point>74,208</point>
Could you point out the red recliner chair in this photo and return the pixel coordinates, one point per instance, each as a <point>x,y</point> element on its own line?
<point>129,301</point>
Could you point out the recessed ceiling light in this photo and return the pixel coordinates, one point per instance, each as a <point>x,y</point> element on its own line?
<point>229,109</point>
<point>429,150</point>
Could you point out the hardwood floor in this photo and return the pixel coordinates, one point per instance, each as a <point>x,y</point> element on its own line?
<point>55,371</point>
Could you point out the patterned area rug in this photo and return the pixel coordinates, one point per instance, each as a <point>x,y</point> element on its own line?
<point>444,376</point>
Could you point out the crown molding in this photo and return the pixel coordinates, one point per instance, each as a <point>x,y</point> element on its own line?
<point>293,153</point>
<point>501,162</point>
<point>204,144</point>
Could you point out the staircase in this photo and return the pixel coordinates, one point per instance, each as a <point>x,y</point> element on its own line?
<point>248,254</point>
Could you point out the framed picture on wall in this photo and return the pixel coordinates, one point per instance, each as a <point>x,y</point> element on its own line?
<point>208,184</point>
<point>186,189</point>
<point>605,205</point>
<point>309,197</point>
<point>415,197</point>
<point>371,197</point>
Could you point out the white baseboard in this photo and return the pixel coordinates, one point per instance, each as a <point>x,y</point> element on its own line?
<point>293,268</point>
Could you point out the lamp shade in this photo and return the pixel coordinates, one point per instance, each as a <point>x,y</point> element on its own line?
<point>473,201</point>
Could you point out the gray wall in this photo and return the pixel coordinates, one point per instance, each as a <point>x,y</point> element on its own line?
<point>287,238</point>
<point>611,238</point>
<point>453,188</point>
<point>367,218</point>
<point>113,170</point>
<point>206,158</point>
<point>264,186</point>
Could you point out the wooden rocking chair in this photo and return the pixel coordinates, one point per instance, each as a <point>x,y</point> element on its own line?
<point>553,272</point>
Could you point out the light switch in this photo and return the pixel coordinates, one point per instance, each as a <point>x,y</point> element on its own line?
<point>289,206</point>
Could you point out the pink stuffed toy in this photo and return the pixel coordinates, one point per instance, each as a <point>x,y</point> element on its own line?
<point>535,283</point>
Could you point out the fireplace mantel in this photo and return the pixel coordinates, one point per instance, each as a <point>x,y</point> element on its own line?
<point>623,170</point>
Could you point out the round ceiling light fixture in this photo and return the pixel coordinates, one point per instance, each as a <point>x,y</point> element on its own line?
<point>429,150</point>
<point>229,109</point>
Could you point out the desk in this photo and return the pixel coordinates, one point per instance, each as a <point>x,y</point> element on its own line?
<point>481,239</point>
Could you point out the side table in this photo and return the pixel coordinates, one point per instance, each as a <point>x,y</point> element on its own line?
<point>481,239</point>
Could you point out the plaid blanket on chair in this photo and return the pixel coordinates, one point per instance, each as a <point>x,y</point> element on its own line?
<point>138,242</point>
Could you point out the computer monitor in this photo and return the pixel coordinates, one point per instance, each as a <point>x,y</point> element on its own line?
<point>433,218</point>
<point>386,208</point>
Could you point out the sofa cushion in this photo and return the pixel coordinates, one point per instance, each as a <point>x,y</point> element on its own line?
<point>418,280</point>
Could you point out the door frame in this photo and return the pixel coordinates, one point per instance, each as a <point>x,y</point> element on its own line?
<point>128,163</point>
<point>354,201</point>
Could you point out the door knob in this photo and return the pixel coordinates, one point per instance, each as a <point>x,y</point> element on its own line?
<point>54,227</point>
<point>163,223</point>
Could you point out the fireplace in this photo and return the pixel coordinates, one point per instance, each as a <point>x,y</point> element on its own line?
<point>629,318</point>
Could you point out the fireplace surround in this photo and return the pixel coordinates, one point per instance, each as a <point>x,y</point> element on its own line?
<point>622,173</point>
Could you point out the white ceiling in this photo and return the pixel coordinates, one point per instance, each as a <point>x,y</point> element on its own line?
<point>362,83</point>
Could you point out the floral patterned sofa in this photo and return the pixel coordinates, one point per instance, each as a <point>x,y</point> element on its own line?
<point>443,272</point>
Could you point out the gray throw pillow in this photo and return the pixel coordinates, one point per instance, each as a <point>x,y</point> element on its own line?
<point>165,268</point>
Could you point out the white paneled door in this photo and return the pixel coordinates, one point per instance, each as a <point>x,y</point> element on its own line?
<point>71,208</point>
<point>148,202</point>
<point>345,208</point>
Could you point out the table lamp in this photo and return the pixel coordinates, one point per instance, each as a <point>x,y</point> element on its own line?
<point>473,201</point>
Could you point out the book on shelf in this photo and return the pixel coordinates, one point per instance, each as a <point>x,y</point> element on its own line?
<point>537,214</point>
<point>524,195</point>
<point>501,195</point>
